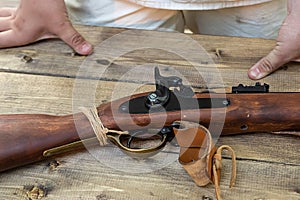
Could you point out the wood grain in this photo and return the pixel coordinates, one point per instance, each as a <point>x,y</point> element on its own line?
<point>261,157</point>
<point>268,165</point>
<point>238,55</point>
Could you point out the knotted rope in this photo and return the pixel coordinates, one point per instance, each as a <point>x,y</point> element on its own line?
<point>99,129</point>
<point>97,125</point>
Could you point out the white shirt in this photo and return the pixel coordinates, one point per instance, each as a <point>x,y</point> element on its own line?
<point>195,4</point>
<point>144,14</point>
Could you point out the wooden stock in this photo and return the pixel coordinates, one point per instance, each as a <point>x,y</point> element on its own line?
<point>24,138</point>
<point>246,113</point>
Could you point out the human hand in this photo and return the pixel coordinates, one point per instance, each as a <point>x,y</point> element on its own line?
<point>287,48</point>
<point>35,20</point>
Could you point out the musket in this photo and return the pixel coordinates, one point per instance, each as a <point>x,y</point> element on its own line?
<point>24,138</point>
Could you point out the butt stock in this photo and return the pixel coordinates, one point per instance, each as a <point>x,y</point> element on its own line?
<point>24,138</point>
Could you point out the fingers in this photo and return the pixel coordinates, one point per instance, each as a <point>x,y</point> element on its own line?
<point>5,18</point>
<point>75,40</point>
<point>12,38</point>
<point>6,12</point>
<point>267,65</point>
<point>4,23</point>
<point>30,23</point>
<point>9,38</point>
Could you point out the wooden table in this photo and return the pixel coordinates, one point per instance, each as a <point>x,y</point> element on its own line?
<point>39,78</point>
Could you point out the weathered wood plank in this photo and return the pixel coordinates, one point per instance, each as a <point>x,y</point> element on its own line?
<point>260,160</point>
<point>80,176</point>
<point>254,150</point>
<point>233,57</point>
<point>237,55</point>
<point>27,93</point>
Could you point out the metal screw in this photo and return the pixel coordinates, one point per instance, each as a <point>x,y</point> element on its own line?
<point>152,96</point>
<point>124,108</point>
<point>226,102</point>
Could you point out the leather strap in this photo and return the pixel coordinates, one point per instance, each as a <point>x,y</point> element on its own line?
<point>218,165</point>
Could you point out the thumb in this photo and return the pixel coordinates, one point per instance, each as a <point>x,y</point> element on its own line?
<point>74,39</point>
<point>268,64</point>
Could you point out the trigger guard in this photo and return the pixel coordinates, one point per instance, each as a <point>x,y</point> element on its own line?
<point>137,153</point>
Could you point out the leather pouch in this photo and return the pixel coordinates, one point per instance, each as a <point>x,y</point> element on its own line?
<point>199,156</point>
